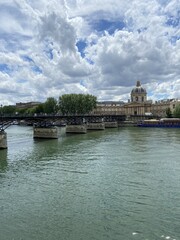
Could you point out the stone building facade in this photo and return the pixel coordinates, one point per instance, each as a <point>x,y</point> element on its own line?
<point>109,108</point>
<point>138,94</point>
<point>138,106</point>
<point>21,105</point>
<point>159,107</point>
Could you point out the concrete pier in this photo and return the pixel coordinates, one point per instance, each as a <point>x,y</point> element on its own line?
<point>76,128</point>
<point>111,124</point>
<point>96,126</point>
<point>127,124</point>
<point>45,132</point>
<point>3,140</point>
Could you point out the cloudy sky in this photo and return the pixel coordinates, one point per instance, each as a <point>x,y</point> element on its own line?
<point>101,47</point>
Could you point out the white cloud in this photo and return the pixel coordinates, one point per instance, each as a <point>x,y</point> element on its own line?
<point>39,57</point>
<point>58,30</point>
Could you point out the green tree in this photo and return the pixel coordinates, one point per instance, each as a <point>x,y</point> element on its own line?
<point>168,113</point>
<point>50,106</point>
<point>176,112</point>
<point>21,110</point>
<point>77,103</point>
<point>9,109</point>
<point>39,108</point>
<point>31,111</point>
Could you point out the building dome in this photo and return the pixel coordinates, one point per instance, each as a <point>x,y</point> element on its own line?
<point>138,89</point>
<point>138,93</point>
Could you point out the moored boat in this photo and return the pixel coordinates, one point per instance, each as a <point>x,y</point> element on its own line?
<point>164,122</point>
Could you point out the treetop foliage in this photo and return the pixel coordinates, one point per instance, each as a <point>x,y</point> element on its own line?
<point>68,104</point>
<point>76,103</point>
<point>176,112</point>
<point>50,105</point>
<point>168,112</point>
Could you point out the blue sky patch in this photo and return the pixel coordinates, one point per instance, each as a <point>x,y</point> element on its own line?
<point>36,69</point>
<point>174,21</point>
<point>89,61</point>
<point>81,45</point>
<point>82,83</point>
<point>21,81</point>
<point>162,96</point>
<point>27,58</point>
<point>48,49</point>
<point>174,39</point>
<point>4,67</point>
<point>109,26</point>
<point>49,53</point>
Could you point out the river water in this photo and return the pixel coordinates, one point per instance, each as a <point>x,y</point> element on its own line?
<point>117,184</point>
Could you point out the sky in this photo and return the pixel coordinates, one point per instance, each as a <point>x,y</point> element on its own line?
<point>99,47</point>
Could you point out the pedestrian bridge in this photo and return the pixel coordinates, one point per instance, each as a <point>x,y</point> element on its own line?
<point>45,125</point>
<point>67,119</point>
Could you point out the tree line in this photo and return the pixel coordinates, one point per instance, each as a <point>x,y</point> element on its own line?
<point>67,104</point>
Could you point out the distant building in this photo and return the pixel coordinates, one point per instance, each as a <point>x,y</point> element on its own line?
<point>27,105</point>
<point>109,108</point>
<point>137,106</point>
<point>159,107</point>
<point>138,94</point>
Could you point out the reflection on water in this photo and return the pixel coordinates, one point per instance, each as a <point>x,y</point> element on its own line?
<point>3,160</point>
<point>114,184</point>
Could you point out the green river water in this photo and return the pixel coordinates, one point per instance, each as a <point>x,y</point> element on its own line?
<point>117,184</point>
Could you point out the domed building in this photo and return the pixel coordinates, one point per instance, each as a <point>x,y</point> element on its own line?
<point>138,107</point>
<point>138,104</point>
<point>138,93</point>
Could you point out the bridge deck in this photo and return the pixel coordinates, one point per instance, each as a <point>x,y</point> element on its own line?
<point>70,119</point>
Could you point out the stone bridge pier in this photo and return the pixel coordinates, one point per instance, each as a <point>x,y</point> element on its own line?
<point>45,132</point>
<point>3,139</point>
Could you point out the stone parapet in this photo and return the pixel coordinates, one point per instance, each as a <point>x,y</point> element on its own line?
<point>45,132</point>
<point>76,128</point>
<point>3,140</point>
